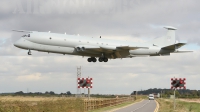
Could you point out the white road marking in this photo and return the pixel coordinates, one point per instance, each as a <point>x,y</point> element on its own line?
<point>141,106</point>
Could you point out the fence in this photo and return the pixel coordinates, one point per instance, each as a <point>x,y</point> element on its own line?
<point>91,104</point>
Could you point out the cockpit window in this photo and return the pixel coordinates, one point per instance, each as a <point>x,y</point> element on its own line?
<point>27,35</point>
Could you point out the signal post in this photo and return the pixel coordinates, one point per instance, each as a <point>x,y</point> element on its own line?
<point>177,84</point>
<point>85,83</point>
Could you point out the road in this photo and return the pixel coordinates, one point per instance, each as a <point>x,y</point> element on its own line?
<point>143,106</point>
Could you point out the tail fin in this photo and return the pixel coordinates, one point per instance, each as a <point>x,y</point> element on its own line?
<point>167,40</point>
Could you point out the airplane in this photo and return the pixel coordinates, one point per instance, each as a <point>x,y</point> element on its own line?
<point>100,48</point>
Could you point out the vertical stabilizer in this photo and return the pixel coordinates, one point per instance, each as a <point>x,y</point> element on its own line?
<point>170,35</point>
<point>167,40</point>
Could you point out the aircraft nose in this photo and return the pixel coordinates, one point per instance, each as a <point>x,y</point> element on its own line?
<point>18,43</point>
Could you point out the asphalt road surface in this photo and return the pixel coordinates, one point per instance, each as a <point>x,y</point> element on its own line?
<point>143,106</point>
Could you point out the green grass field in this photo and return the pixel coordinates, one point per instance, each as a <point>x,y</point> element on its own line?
<point>166,105</point>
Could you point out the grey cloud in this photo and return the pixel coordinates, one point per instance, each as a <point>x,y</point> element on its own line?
<point>108,77</point>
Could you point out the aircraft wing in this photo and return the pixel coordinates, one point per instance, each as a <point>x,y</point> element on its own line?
<point>106,48</point>
<point>113,51</point>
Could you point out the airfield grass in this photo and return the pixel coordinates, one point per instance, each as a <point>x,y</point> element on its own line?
<point>51,104</point>
<point>167,105</point>
<point>41,105</point>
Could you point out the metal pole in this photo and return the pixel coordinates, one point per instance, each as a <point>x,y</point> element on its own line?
<point>78,94</point>
<point>161,94</point>
<point>136,95</point>
<point>88,93</point>
<point>89,99</point>
<point>174,100</point>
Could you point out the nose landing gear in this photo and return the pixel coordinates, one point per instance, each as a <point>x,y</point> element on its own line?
<point>29,52</point>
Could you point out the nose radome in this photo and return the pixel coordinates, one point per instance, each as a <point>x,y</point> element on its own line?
<point>18,43</point>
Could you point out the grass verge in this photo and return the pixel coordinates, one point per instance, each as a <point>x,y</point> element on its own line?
<point>167,105</point>
<point>112,108</point>
<point>61,105</point>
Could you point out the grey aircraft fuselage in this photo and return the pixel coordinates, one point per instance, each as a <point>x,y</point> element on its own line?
<point>97,47</point>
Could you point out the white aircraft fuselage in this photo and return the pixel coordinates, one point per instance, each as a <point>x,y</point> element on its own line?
<point>97,47</point>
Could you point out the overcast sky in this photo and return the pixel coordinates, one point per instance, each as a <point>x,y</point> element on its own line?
<point>133,20</point>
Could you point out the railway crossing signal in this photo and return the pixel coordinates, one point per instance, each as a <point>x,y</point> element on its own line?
<point>178,83</point>
<point>84,82</point>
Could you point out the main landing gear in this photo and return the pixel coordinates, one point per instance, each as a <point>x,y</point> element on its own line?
<point>92,59</point>
<point>29,52</point>
<point>101,59</point>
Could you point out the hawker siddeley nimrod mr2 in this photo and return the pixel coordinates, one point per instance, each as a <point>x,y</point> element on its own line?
<point>100,48</point>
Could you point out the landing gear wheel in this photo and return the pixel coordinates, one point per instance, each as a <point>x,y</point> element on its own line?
<point>29,52</point>
<point>105,59</point>
<point>100,59</point>
<point>89,59</point>
<point>94,59</point>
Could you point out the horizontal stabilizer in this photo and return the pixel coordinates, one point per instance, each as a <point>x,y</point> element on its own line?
<point>174,46</point>
<point>181,51</point>
<point>170,28</point>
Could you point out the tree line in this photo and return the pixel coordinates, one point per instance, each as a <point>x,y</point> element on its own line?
<point>181,93</point>
<point>47,93</point>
